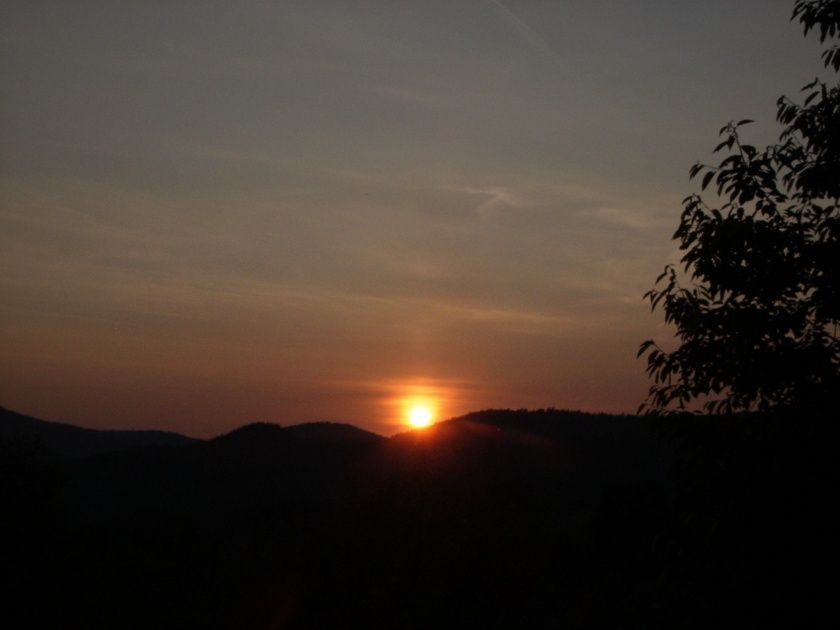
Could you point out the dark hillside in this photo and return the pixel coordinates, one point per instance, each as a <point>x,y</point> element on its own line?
<point>313,432</point>
<point>57,440</point>
<point>499,518</point>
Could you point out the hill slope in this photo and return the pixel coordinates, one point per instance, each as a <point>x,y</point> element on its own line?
<point>51,440</point>
<point>499,518</point>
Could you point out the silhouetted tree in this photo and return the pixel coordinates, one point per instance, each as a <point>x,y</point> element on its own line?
<point>756,310</point>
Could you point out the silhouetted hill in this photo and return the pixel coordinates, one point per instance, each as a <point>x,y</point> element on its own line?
<point>499,518</point>
<point>49,440</point>
<point>324,432</point>
<point>332,432</point>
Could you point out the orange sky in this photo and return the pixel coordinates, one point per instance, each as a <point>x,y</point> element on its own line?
<point>311,210</point>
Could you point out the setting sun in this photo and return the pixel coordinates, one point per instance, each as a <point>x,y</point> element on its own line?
<point>418,403</point>
<point>420,416</point>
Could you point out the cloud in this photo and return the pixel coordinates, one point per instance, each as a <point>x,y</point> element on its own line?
<point>628,218</point>
<point>529,35</point>
<point>494,198</point>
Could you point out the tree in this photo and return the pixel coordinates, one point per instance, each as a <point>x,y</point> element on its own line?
<point>756,303</point>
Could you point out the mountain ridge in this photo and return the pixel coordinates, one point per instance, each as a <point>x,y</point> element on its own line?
<point>49,440</point>
<point>503,518</point>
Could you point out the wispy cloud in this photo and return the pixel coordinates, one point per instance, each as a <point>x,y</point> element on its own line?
<point>528,34</point>
<point>629,218</point>
<point>494,199</point>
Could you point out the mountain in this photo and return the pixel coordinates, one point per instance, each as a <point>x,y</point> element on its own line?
<point>315,432</point>
<point>55,440</point>
<point>500,518</point>
<point>48,441</point>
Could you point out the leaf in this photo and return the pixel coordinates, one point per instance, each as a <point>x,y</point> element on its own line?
<point>643,347</point>
<point>755,318</point>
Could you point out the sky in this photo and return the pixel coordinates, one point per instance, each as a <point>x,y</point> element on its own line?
<point>214,213</point>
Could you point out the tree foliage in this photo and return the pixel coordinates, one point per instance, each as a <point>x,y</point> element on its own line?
<point>756,303</point>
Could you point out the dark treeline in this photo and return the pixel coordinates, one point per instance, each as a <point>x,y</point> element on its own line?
<point>499,518</point>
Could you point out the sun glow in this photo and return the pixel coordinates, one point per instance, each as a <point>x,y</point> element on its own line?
<point>417,403</point>
<point>420,415</point>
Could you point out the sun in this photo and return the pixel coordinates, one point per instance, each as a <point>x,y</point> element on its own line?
<point>420,415</point>
<point>419,406</point>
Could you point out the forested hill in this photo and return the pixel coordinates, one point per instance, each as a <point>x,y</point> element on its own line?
<point>58,440</point>
<point>498,518</point>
